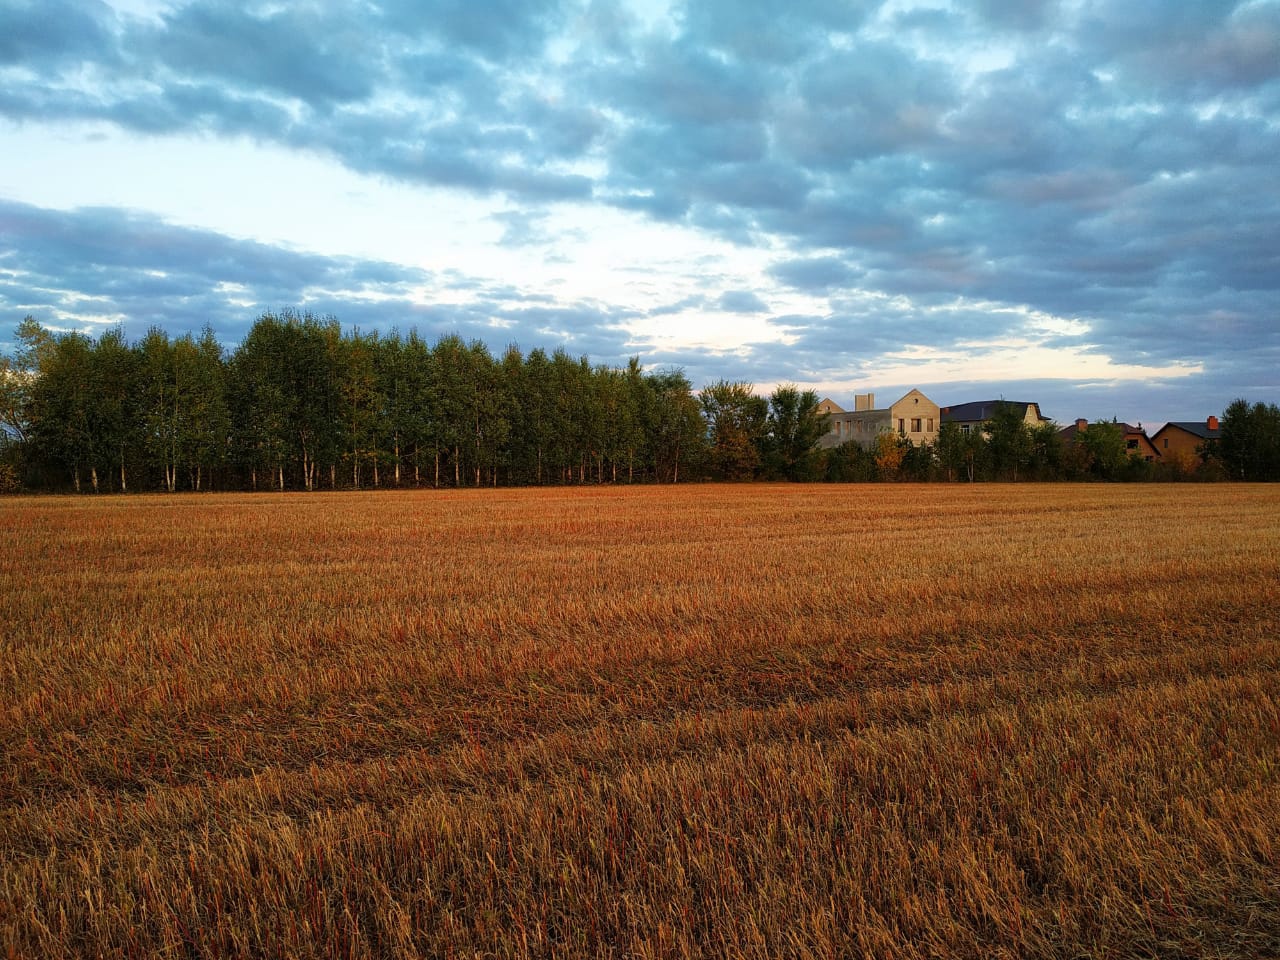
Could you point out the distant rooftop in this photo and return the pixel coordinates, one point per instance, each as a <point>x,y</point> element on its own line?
<point>978,410</point>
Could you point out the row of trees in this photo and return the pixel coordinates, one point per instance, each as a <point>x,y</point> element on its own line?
<point>301,404</point>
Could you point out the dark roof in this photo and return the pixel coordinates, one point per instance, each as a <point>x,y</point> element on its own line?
<point>979,410</point>
<point>1127,429</point>
<point>1199,428</point>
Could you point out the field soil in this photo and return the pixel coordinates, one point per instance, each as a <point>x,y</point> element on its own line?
<point>883,721</point>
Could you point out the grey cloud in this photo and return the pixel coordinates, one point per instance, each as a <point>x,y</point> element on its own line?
<point>870,99</point>
<point>1022,15</point>
<point>520,228</point>
<point>289,51</point>
<point>679,306</point>
<point>682,84</point>
<point>814,274</point>
<point>741,301</point>
<point>39,33</point>
<point>500,30</point>
<point>157,273</point>
<point>66,267</point>
<point>324,78</point>
<point>1196,47</point>
<point>766,31</point>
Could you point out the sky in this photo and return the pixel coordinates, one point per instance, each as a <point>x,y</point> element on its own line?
<point>1073,202</point>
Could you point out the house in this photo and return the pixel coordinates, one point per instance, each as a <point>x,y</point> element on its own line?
<point>914,416</point>
<point>1185,438</point>
<point>1136,441</point>
<point>971,416</point>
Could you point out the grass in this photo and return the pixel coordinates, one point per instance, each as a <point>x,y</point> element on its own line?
<point>758,721</point>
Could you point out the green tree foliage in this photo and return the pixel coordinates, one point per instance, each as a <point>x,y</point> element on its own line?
<point>360,403</point>
<point>60,405</point>
<point>1104,443</point>
<point>1009,442</point>
<point>793,429</point>
<point>949,449</point>
<point>850,463</point>
<point>919,462</point>
<point>263,405</point>
<point>1249,441</point>
<point>113,412</point>
<point>17,376</point>
<point>677,428</point>
<point>737,421</point>
<point>1047,455</point>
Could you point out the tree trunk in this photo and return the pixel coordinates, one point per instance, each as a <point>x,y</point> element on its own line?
<point>93,475</point>
<point>281,468</point>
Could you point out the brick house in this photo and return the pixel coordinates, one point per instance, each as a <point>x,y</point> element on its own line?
<point>1136,441</point>
<point>1185,438</point>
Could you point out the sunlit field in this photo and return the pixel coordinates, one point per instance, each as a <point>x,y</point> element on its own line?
<point>761,721</point>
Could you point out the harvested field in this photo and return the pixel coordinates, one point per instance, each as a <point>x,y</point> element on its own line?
<point>758,721</point>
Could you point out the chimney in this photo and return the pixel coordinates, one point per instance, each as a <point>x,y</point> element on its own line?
<point>1082,424</point>
<point>1212,423</point>
<point>864,401</point>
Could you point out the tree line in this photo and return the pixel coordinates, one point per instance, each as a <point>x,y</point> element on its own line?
<point>301,404</point>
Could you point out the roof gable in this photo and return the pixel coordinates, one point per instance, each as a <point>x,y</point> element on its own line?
<point>1197,428</point>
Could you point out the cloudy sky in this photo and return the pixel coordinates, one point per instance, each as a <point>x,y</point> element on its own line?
<point>1074,202</point>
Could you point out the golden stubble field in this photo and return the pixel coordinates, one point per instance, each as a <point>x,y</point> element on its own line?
<point>763,721</point>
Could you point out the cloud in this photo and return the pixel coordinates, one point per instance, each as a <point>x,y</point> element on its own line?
<point>47,33</point>
<point>814,274</point>
<point>91,268</point>
<point>289,51</point>
<point>758,30</point>
<point>741,301</point>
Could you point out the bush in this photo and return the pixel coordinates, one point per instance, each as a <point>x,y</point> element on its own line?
<point>9,482</point>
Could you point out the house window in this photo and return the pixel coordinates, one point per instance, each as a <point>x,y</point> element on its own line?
<point>1131,445</point>
<point>964,428</point>
<point>859,426</point>
<point>1166,443</point>
<point>915,424</point>
<point>931,424</point>
<point>902,427</point>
